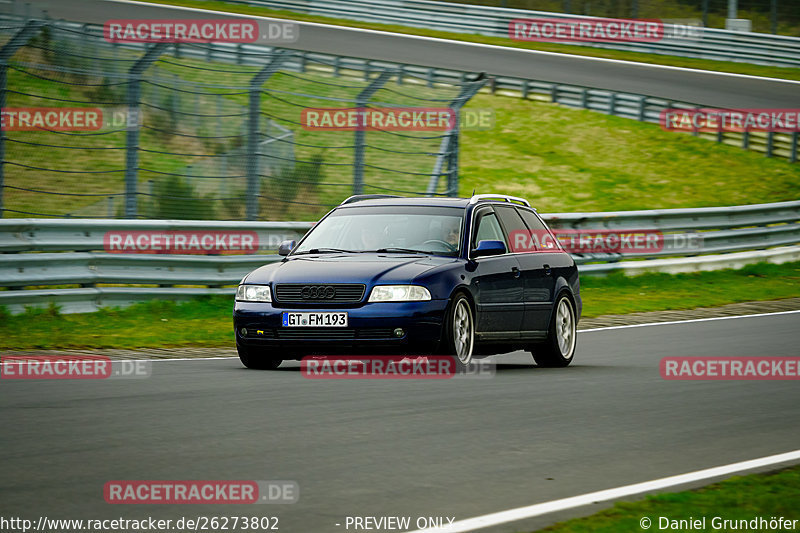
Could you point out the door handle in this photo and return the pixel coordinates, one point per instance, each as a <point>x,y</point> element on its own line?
<point>547,270</point>
<point>515,271</point>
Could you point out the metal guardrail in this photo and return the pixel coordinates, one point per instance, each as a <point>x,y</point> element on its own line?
<point>742,47</point>
<point>70,252</point>
<point>83,235</point>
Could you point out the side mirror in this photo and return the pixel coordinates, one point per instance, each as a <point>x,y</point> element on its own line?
<point>486,248</point>
<point>286,247</point>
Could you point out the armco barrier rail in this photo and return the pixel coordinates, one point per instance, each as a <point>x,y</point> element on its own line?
<point>52,253</point>
<point>743,47</point>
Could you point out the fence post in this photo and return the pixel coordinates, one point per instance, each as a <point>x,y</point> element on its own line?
<point>358,153</point>
<point>132,141</point>
<point>448,150</point>
<point>19,40</point>
<point>773,16</point>
<point>254,113</point>
<point>705,13</point>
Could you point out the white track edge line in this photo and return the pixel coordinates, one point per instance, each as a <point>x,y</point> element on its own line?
<point>512,515</point>
<point>465,43</point>
<point>688,320</point>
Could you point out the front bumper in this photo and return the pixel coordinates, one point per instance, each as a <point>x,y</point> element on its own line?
<point>371,329</point>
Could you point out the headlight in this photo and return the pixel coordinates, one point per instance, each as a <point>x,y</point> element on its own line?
<point>399,293</point>
<point>253,293</point>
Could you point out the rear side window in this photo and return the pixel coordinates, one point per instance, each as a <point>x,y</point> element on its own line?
<point>540,236</point>
<point>516,230</point>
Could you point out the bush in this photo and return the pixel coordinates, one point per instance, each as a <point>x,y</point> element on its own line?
<point>174,198</point>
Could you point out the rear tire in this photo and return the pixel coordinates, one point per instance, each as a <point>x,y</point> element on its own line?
<point>559,348</point>
<point>256,361</point>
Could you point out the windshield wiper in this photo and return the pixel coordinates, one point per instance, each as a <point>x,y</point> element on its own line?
<point>323,251</point>
<point>393,249</point>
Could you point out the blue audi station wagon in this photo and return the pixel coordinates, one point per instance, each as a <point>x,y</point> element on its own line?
<point>392,275</point>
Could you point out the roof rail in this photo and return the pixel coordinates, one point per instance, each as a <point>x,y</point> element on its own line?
<point>359,197</point>
<point>498,198</point>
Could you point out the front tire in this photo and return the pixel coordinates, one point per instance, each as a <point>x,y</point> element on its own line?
<point>255,360</point>
<point>460,330</point>
<point>559,348</point>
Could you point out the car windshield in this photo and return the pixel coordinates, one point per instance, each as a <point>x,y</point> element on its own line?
<point>431,230</point>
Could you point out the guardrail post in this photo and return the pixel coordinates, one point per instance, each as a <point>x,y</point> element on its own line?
<point>642,107</point>
<point>254,113</point>
<point>745,139</point>
<point>770,142</point>
<point>358,153</point>
<point>525,88</point>
<point>793,149</point>
<point>448,150</point>
<point>19,40</point>
<point>132,141</point>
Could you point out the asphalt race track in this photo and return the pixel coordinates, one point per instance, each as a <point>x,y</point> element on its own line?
<point>695,86</point>
<point>459,448</point>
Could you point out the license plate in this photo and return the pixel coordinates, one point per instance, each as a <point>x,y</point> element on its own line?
<point>315,320</point>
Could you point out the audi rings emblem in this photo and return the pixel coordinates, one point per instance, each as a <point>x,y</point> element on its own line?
<point>317,292</point>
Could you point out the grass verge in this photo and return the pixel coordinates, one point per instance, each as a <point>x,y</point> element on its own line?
<point>207,321</point>
<point>704,64</point>
<point>771,495</point>
<point>560,159</point>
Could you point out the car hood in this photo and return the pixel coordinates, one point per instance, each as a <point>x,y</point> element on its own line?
<point>347,268</point>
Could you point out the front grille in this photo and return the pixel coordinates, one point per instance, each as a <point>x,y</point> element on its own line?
<point>319,293</point>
